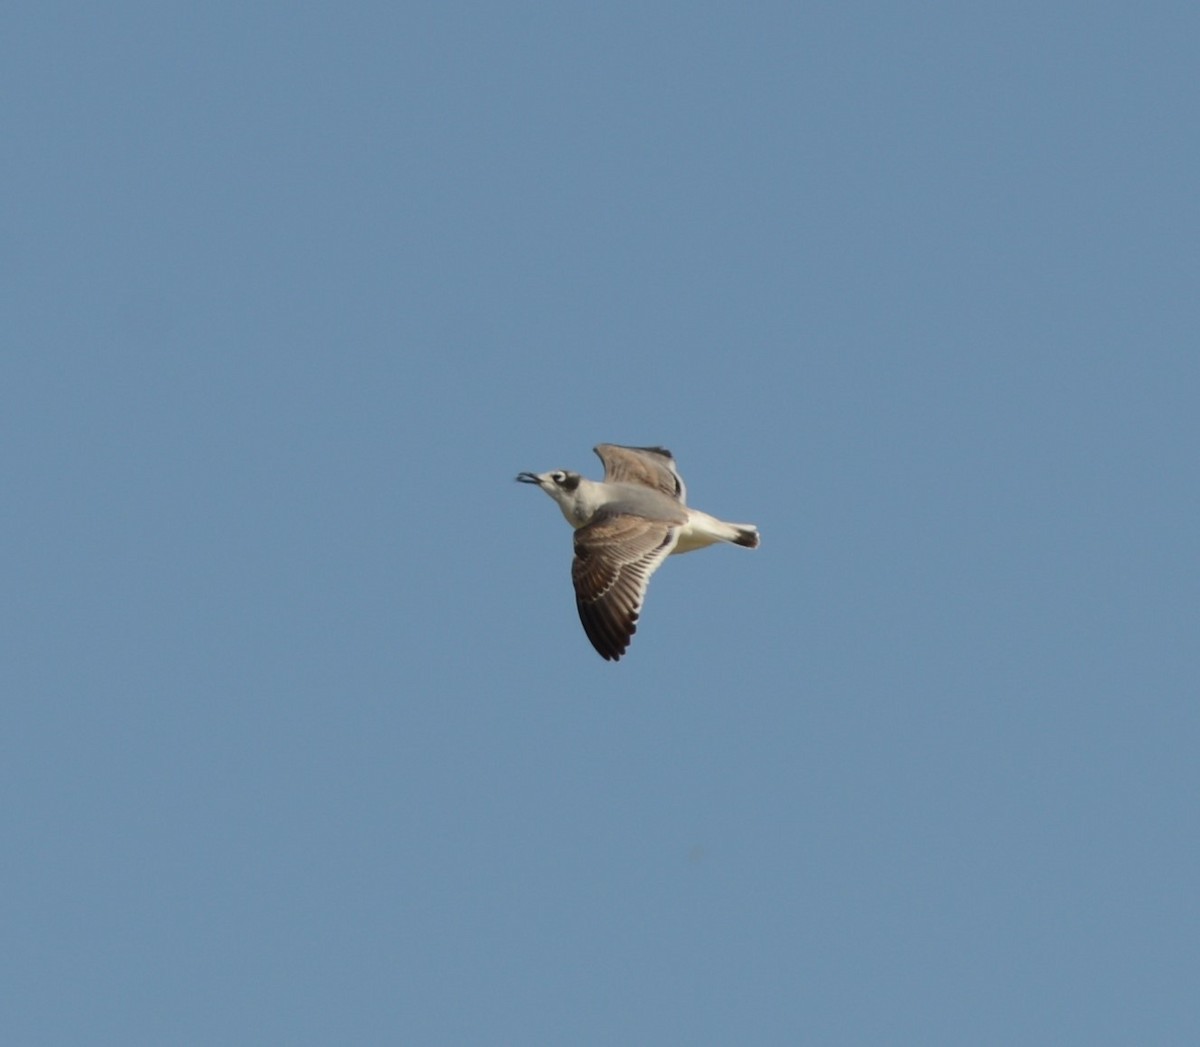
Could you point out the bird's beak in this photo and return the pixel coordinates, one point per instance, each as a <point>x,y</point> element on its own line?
<point>528,478</point>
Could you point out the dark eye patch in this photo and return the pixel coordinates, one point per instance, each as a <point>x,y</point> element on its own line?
<point>569,482</point>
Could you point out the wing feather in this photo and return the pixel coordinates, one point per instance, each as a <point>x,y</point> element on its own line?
<point>652,467</point>
<point>615,555</point>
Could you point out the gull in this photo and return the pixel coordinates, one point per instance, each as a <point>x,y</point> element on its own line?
<point>625,527</point>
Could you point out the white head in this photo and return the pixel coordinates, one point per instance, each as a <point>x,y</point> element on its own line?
<point>568,489</point>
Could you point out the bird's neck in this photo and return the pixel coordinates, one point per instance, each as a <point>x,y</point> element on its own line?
<point>581,505</point>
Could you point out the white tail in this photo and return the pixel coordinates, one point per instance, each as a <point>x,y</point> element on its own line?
<point>702,529</point>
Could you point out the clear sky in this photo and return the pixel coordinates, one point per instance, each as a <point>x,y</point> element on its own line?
<point>302,740</point>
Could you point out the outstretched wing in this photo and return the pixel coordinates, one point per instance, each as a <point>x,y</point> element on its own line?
<point>649,466</point>
<point>615,555</point>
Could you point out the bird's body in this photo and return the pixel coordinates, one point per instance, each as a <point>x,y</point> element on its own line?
<point>625,527</point>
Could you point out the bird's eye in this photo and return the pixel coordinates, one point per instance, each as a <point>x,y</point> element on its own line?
<point>558,477</point>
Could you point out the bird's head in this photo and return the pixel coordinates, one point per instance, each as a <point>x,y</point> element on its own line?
<point>563,486</point>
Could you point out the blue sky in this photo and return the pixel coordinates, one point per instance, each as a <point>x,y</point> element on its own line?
<point>303,742</point>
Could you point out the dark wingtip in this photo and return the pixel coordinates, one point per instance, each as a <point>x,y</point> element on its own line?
<point>655,450</point>
<point>605,634</point>
<point>631,447</point>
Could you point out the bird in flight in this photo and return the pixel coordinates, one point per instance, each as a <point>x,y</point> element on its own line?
<point>625,527</point>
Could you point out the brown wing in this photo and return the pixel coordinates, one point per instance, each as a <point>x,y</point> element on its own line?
<point>649,466</point>
<point>614,558</point>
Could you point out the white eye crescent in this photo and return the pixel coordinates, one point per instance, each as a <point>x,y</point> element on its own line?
<point>558,477</point>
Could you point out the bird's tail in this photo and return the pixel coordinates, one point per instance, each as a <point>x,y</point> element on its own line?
<point>745,535</point>
<point>702,529</point>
